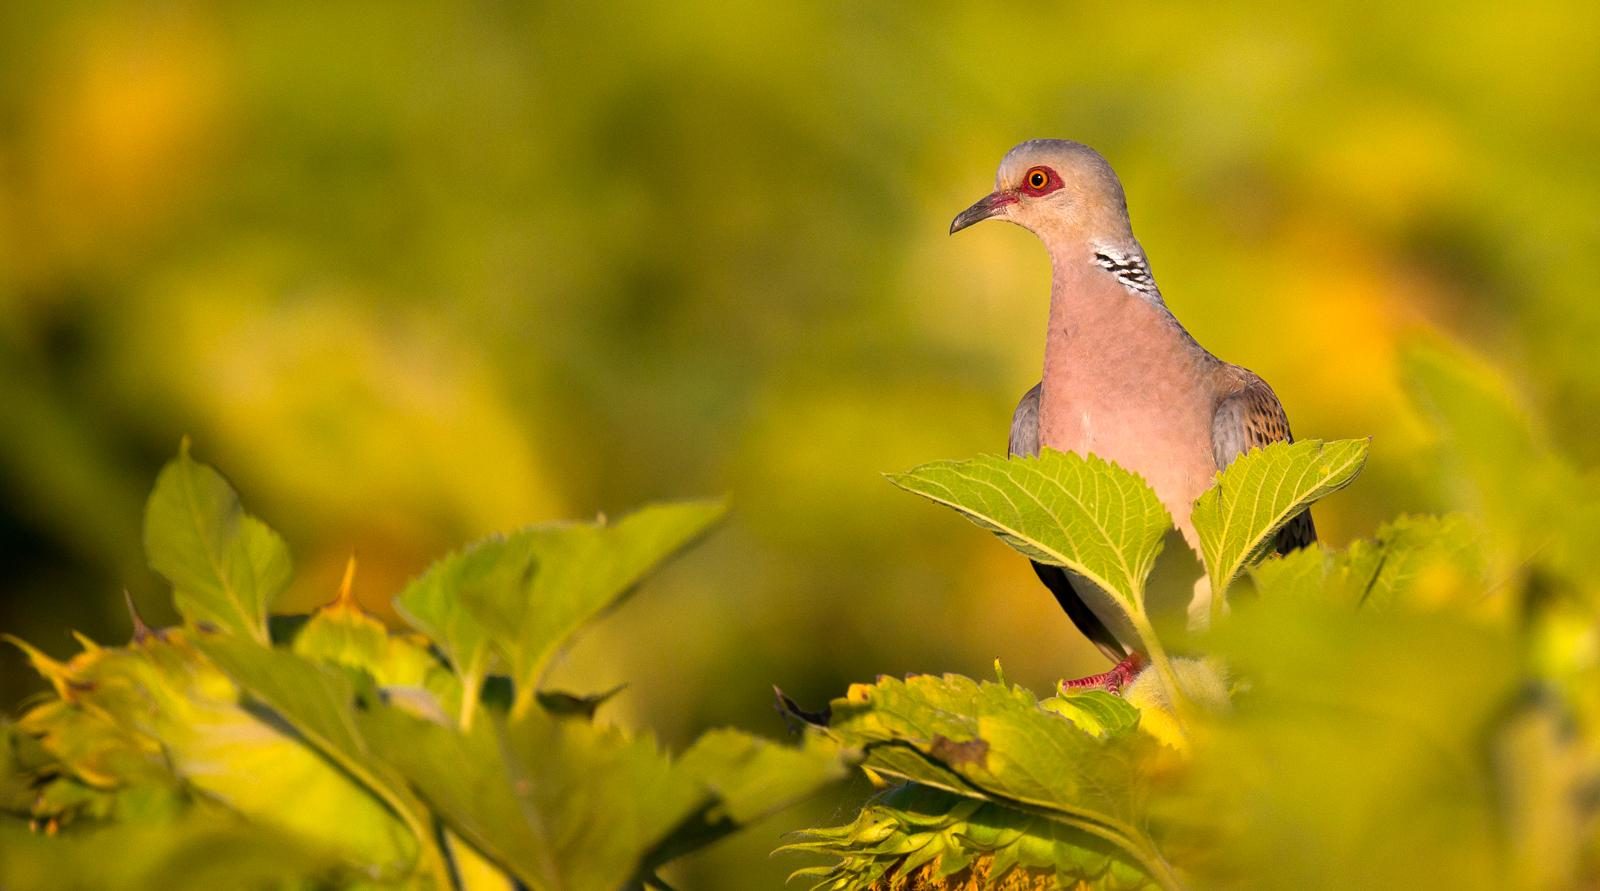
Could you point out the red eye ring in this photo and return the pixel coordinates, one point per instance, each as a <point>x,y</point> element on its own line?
<point>1040,181</point>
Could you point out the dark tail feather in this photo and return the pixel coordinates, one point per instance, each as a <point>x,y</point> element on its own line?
<point>1296,534</point>
<point>1060,584</point>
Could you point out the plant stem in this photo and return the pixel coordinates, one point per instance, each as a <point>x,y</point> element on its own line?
<point>1219,599</point>
<point>1162,665</point>
<point>471,689</point>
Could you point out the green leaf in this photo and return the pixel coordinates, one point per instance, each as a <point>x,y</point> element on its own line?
<point>538,587</point>
<point>1298,575</point>
<point>202,851</point>
<point>226,567</point>
<point>586,570</point>
<point>603,798</point>
<point>319,702</point>
<point>341,633</point>
<point>911,828</point>
<point>998,744</point>
<point>1418,560</point>
<point>1096,712</point>
<point>560,804</point>
<point>164,692</point>
<point>463,777</point>
<point>750,778</point>
<point>1262,491</point>
<point>957,724</point>
<point>1083,513</point>
<point>1092,517</point>
<point>1414,559</point>
<point>437,605</point>
<point>563,803</point>
<point>346,637</point>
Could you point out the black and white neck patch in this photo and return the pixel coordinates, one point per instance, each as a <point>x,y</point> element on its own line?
<point>1131,269</point>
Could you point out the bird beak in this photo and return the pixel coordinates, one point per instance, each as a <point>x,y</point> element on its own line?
<point>992,204</point>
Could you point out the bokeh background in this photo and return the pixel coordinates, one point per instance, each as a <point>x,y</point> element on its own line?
<point>413,273</point>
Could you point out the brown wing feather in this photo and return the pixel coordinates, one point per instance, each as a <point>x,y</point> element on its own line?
<point>1249,418</point>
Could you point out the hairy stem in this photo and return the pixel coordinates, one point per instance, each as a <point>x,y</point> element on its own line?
<point>1181,709</point>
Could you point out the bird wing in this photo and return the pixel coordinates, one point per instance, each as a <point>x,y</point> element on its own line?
<point>1025,442</point>
<point>1249,418</point>
<point>1025,425</point>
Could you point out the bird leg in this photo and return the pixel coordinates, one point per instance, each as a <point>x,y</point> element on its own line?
<point>1111,681</point>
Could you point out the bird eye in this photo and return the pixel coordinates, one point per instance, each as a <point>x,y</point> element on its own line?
<point>1037,179</point>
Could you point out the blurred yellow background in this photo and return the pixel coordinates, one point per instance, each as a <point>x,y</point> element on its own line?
<point>413,273</point>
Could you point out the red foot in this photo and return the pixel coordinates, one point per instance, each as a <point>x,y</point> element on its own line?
<point>1111,681</point>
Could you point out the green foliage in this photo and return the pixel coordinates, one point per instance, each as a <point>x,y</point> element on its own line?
<point>195,852</point>
<point>1368,748</point>
<point>415,271</point>
<point>1261,492</point>
<point>1106,526</point>
<point>997,743</point>
<point>525,594</point>
<point>925,836</point>
<point>225,566</point>
<point>1418,709</point>
<point>1495,461</point>
<point>1408,558</point>
<point>354,755</point>
<point>1083,513</point>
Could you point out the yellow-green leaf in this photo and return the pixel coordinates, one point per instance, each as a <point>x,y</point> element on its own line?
<point>226,567</point>
<point>999,744</point>
<point>564,803</point>
<point>1083,513</point>
<point>525,594</point>
<point>165,692</point>
<point>1263,490</point>
<point>318,702</point>
<point>341,633</point>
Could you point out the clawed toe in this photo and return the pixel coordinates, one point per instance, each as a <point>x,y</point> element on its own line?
<point>1111,681</point>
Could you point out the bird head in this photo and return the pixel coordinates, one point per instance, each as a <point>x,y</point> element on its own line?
<point>1056,189</point>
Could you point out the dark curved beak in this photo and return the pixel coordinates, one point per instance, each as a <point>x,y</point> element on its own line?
<point>986,207</point>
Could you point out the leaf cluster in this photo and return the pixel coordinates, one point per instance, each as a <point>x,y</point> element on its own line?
<point>1415,710</point>
<point>349,754</point>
